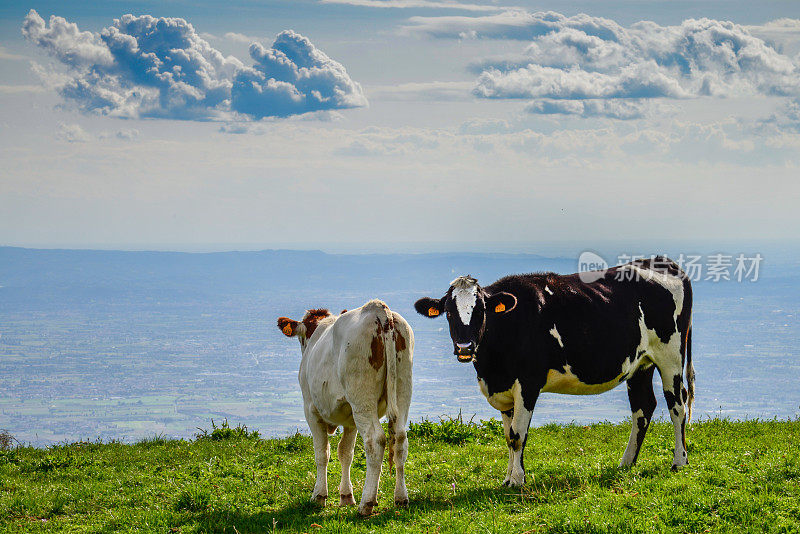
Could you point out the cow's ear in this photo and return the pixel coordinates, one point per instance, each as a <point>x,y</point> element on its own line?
<point>501,302</point>
<point>429,307</point>
<point>288,326</point>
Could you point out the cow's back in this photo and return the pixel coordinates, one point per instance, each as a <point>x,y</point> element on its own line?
<point>346,367</point>
<point>360,336</point>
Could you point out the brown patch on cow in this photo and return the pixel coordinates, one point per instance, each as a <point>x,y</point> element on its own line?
<point>377,349</point>
<point>343,311</point>
<point>399,341</point>
<point>312,318</point>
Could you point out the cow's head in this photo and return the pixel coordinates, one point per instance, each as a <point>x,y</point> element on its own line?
<point>466,306</point>
<point>304,328</point>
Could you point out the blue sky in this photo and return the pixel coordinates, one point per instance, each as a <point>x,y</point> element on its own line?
<point>397,122</point>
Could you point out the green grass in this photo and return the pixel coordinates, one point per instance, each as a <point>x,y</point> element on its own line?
<point>743,477</point>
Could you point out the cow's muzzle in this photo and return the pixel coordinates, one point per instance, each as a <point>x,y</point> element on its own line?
<point>465,352</point>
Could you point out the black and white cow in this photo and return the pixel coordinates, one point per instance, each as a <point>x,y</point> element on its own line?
<point>579,334</point>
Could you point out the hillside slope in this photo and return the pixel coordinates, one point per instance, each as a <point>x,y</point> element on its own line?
<point>743,476</point>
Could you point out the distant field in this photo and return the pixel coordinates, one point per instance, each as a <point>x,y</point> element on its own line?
<point>742,477</point>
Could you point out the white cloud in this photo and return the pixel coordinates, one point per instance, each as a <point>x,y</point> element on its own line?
<point>72,133</point>
<point>513,24</point>
<point>13,89</point>
<point>642,80</point>
<point>514,144</point>
<point>127,134</point>
<point>240,38</point>
<point>291,78</point>
<point>438,91</point>
<point>160,67</point>
<point>9,56</point>
<point>583,57</point>
<point>617,108</point>
<point>779,31</point>
<point>405,4</point>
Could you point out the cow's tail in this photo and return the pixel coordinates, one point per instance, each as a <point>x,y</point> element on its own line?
<point>685,325</point>
<point>389,335</point>
<point>689,375</point>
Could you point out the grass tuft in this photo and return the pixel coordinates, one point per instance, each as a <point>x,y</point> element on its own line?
<point>226,432</point>
<point>455,431</point>
<point>193,499</point>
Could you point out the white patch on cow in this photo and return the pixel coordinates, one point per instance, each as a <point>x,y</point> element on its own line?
<point>667,357</point>
<point>671,283</point>
<point>503,400</point>
<point>555,334</point>
<point>547,288</point>
<point>465,295</point>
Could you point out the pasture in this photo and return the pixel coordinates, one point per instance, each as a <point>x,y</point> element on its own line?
<point>743,476</point>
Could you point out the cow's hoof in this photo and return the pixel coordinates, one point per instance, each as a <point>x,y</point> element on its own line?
<point>365,510</point>
<point>319,499</point>
<point>515,482</point>
<point>401,502</point>
<point>506,483</point>
<point>346,500</point>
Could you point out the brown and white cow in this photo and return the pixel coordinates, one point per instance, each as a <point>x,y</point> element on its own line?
<point>356,368</point>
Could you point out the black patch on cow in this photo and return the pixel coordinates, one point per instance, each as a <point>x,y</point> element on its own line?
<point>670,398</point>
<point>513,439</point>
<point>678,389</point>
<point>642,397</point>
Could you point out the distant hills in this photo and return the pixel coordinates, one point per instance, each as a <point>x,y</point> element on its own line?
<point>40,273</point>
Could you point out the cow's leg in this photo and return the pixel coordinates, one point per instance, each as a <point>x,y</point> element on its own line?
<point>675,393</point>
<point>322,452</point>
<point>518,435</point>
<point>643,403</point>
<point>507,416</point>
<point>400,455</point>
<point>374,446</point>
<point>345,452</point>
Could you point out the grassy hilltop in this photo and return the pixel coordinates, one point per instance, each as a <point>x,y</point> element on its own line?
<point>743,477</point>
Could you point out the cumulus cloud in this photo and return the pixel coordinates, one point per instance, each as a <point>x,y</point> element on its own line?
<point>239,38</point>
<point>576,58</point>
<point>623,109</point>
<point>72,133</point>
<point>142,66</point>
<point>292,77</point>
<point>405,4</point>
<point>511,24</point>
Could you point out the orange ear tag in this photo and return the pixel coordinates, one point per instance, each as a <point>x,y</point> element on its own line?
<point>287,330</point>
<point>432,312</point>
<point>500,308</point>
